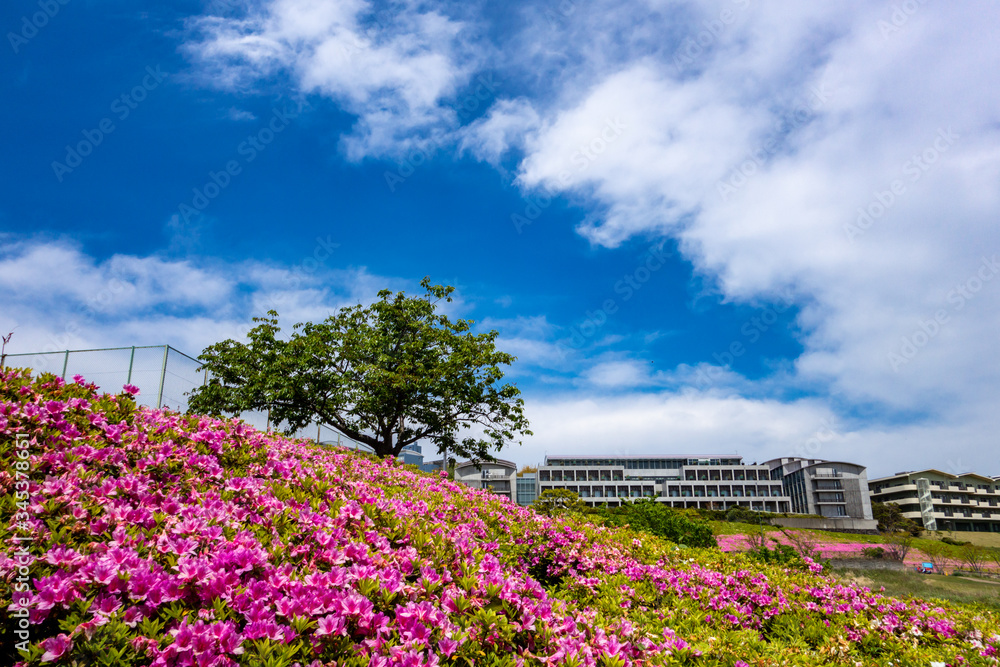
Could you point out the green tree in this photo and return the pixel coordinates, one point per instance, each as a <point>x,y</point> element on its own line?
<point>891,520</point>
<point>974,557</point>
<point>558,501</point>
<point>387,375</point>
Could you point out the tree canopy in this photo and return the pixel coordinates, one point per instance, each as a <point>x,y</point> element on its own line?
<point>891,520</point>
<point>387,375</point>
<point>552,502</point>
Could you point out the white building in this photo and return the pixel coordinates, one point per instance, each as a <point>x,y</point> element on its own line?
<point>831,489</point>
<point>497,476</point>
<point>717,482</point>
<point>939,500</point>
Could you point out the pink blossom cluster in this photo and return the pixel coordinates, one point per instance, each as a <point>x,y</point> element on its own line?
<point>836,549</point>
<point>824,549</point>
<point>205,539</point>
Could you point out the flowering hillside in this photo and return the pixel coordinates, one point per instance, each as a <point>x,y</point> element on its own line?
<point>141,537</point>
<point>843,549</point>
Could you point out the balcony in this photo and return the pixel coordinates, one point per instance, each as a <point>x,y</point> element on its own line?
<point>497,487</point>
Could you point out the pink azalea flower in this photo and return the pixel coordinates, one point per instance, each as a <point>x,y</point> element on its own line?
<point>330,625</point>
<point>56,647</point>
<point>447,647</point>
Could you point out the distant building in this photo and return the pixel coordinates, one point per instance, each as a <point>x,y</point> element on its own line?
<point>718,482</point>
<point>831,489</point>
<point>497,476</point>
<point>942,501</point>
<point>413,455</point>
<point>527,488</point>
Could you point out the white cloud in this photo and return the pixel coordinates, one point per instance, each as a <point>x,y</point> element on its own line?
<point>753,137</point>
<point>646,148</point>
<point>56,297</point>
<point>240,114</point>
<point>394,71</point>
<point>757,155</point>
<point>613,374</point>
<point>677,424</point>
<point>699,423</point>
<point>504,127</point>
<point>531,340</point>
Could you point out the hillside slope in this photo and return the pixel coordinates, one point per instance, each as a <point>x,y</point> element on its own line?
<point>147,537</point>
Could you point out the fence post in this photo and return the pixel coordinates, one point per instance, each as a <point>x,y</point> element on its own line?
<point>163,377</point>
<point>318,427</point>
<point>65,365</point>
<point>131,360</point>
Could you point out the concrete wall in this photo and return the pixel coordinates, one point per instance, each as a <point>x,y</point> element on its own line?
<point>858,496</point>
<point>836,525</point>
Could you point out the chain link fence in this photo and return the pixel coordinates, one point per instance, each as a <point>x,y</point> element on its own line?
<point>164,375</point>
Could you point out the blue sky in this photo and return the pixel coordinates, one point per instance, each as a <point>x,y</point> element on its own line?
<point>714,226</point>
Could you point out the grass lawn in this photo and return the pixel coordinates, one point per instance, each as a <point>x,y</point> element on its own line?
<point>926,586</point>
<point>989,540</point>
<point>736,528</point>
<point>981,539</point>
<point>846,545</point>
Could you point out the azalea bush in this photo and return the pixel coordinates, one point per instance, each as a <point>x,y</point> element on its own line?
<point>148,537</point>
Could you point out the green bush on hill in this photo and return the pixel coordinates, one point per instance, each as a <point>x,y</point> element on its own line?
<point>649,516</point>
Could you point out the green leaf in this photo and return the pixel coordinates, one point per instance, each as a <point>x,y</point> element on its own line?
<point>387,375</point>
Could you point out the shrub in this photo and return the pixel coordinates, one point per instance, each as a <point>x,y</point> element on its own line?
<point>974,557</point>
<point>657,519</point>
<point>873,552</point>
<point>176,540</point>
<point>553,502</point>
<point>897,545</point>
<point>743,515</point>
<point>781,554</point>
